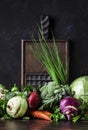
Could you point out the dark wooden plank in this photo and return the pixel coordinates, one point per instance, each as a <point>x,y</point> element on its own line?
<point>42,125</point>
<point>30,64</point>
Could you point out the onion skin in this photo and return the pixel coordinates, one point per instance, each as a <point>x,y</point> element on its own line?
<point>69,107</point>
<point>34,100</point>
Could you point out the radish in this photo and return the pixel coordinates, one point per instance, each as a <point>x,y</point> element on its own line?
<point>34,100</point>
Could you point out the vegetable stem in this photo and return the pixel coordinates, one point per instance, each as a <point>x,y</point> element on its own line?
<point>48,55</point>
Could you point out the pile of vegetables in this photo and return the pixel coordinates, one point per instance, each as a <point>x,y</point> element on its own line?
<point>56,100</point>
<point>51,101</point>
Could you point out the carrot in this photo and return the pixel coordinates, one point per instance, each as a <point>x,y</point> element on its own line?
<point>41,114</point>
<point>46,113</point>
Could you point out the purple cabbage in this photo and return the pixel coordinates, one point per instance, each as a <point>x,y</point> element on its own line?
<point>69,106</point>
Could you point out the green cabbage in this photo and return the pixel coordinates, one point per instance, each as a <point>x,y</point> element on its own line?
<point>80,88</point>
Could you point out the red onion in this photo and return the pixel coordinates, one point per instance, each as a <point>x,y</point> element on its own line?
<point>34,100</point>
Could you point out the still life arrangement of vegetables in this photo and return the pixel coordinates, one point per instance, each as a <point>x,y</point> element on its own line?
<point>55,100</point>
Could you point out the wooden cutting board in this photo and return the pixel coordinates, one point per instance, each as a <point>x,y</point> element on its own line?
<point>32,71</point>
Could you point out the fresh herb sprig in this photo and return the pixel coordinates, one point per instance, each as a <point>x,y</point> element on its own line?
<point>57,115</point>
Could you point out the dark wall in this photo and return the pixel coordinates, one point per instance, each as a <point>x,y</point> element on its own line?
<point>19,19</point>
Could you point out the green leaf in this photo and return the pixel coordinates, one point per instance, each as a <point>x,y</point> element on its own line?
<point>14,88</point>
<point>76,118</point>
<point>6,117</point>
<point>57,115</point>
<point>3,107</point>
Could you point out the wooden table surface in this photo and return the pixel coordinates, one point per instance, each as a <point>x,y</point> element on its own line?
<point>42,125</point>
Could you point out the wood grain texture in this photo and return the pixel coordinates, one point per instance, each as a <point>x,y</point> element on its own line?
<point>30,64</point>
<point>42,125</point>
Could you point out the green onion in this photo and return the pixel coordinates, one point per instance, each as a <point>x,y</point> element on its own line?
<point>48,55</point>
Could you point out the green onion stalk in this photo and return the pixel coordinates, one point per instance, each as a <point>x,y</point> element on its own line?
<point>48,55</point>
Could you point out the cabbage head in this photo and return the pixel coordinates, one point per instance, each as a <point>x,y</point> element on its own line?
<point>80,88</point>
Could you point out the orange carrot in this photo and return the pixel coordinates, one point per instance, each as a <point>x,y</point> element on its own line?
<point>41,114</point>
<point>46,113</point>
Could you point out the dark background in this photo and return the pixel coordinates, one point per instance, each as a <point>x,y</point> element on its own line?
<point>19,19</point>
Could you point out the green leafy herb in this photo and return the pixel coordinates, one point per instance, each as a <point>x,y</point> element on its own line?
<point>27,89</point>
<point>57,115</point>
<point>14,88</point>
<point>52,93</point>
<point>3,107</point>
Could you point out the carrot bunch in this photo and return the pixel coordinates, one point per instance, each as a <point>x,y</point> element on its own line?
<point>41,114</point>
